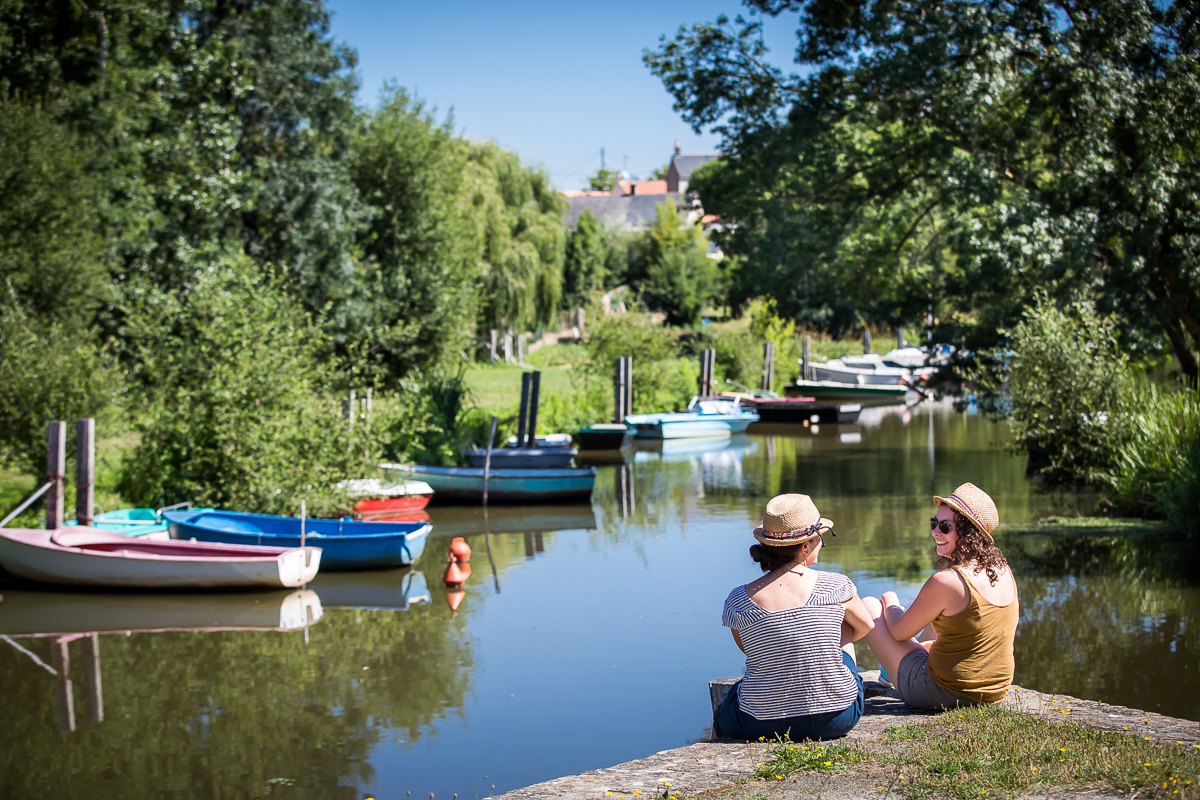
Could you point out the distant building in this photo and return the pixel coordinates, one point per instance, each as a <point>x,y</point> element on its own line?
<point>632,205</point>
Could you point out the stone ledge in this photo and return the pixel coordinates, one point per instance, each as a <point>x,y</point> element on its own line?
<point>707,765</point>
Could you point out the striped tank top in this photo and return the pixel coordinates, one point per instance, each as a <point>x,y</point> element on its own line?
<point>794,656</point>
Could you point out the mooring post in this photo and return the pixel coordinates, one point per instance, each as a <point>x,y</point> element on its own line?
<point>60,660</point>
<point>521,349</point>
<point>535,386</point>
<point>619,410</point>
<point>866,341</point>
<point>523,413</point>
<point>493,346</point>
<point>806,359</point>
<point>487,468</point>
<point>579,322</point>
<point>353,411</point>
<point>628,385</point>
<point>56,460</point>
<point>93,695</point>
<point>768,372</point>
<point>370,397</point>
<point>508,348</point>
<point>85,470</point>
<point>900,343</point>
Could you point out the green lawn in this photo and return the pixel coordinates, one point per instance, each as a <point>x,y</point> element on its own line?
<point>497,388</point>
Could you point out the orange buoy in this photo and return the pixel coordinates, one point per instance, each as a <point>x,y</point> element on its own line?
<point>454,599</point>
<point>455,576</point>
<point>460,549</point>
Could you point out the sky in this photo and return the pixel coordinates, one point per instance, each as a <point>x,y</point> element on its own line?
<point>555,82</point>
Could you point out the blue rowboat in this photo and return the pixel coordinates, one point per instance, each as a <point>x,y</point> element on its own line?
<point>523,457</point>
<point>146,523</point>
<point>346,543</point>
<point>705,417</point>
<point>465,484</point>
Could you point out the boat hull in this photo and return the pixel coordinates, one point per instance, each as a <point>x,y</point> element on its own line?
<point>465,484</point>
<point>84,556</point>
<point>348,544</point>
<point>391,505</point>
<point>689,426</point>
<point>523,458</point>
<point>787,410</point>
<point>832,392</point>
<point>608,437</point>
<point>854,377</point>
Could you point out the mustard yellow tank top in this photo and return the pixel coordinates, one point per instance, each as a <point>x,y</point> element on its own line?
<point>973,653</point>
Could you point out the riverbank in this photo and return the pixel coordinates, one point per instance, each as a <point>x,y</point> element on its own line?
<point>1106,751</point>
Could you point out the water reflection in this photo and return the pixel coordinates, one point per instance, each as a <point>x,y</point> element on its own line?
<point>597,650</point>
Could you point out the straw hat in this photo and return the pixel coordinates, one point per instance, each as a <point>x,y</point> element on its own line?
<point>791,519</point>
<point>974,504</point>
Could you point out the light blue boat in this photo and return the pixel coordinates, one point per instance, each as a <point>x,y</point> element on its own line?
<point>146,523</point>
<point>465,484</point>
<point>711,417</point>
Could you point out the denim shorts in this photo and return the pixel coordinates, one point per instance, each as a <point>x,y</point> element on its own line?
<point>917,689</point>
<point>731,722</point>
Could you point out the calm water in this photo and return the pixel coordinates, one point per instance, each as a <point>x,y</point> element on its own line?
<point>590,643</point>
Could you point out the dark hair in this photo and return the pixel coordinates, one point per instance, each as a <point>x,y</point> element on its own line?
<point>770,559</point>
<point>973,548</point>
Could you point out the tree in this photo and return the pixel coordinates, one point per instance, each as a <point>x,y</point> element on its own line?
<point>959,155</point>
<point>680,277</point>
<point>587,251</point>
<point>603,181</point>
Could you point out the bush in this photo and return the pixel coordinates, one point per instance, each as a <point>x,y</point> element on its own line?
<point>662,380</point>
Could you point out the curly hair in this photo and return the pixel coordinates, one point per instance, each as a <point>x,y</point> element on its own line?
<point>973,548</point>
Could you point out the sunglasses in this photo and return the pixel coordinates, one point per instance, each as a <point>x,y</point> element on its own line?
<point>943,525</point>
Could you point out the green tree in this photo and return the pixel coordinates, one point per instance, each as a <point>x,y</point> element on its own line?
<point>603,181</point>
<point>957,156</point>
<point>680,277</point>
<point>587,252</point>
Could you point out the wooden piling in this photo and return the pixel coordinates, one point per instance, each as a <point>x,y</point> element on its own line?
<point>806,359</point>
<point>579,320</point>
<point>508,348</point>
<point>523,413</point>
<point>521,349</point>
<point>353,412</point>
<point>64,701</point>
<point>85,470</point>
<point>708,358</point>
<point>628,384</point>
<point>56,459</point>
<point>487,468</point>
<point>768,371</point>
<point>93,695</point>
<point>622,388</point>
<point>866,341</point>
<point>534,390</point>
<point>900,343</point>
<point>493,346</point>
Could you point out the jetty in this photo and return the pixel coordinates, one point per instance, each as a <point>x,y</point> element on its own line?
<point>706,767</point>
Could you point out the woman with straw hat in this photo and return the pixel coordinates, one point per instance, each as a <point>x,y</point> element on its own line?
<point>797,626</point>
<point>965,615</point>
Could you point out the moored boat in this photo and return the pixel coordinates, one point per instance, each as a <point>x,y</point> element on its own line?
<point>866,369</point>
<point>524,457</point>
<point>89,557</point>
<point>465,484</point>
<point>803,409</point>
<point>379,498</point>
<point>705,417</point>
<point>348,543</point>
<point>547,440</point>
<point>146,523</point>
<point>604,436</point>
<point>835,391</point>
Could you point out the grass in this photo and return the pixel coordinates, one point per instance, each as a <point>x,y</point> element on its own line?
<point>496,388</point>
<point>997,752</point>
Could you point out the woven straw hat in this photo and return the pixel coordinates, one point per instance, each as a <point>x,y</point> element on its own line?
<point>975,504</point>
<point>791,519</point>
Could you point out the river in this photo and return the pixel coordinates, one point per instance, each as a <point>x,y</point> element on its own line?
<point>589,642</point>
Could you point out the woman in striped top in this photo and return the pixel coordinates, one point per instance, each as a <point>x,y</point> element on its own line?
<point>797,626</point>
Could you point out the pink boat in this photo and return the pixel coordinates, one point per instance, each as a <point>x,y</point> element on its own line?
<point>91,557</point>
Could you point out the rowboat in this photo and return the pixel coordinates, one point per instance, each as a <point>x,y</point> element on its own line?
<point>348,543</point>
<point>146,523</point>
<point>835,391</point>
<point>379,498</point>
<point>524,457</point>
<point>604,436</point>
<point>34,613</point>
<point>89,557</point>
<point>705,417</point>
<point>548,440</point>
<point>465,484</point>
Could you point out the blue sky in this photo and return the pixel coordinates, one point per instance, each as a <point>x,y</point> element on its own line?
<point>553,81</point>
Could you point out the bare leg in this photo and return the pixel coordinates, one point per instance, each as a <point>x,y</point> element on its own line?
<point>887,650</point>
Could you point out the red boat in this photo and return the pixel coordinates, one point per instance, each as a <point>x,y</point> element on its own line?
<point>397,502</point>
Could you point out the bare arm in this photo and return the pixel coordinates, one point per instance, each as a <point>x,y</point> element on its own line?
<point>941,590</point>
<point>737,639</point>
<point>857,619</point>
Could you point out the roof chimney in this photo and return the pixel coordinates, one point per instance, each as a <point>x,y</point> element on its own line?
<point>676,147</point>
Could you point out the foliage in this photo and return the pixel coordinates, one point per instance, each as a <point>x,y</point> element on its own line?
<point>680,277</point>
<point>1068,384</point>
<point>53,370</point>
<point>587,251</point>
<point>603,181</point>
<point>952,158</point>
<point>662,381</point>
<point>232,414</point>
<point>1156,471</point>
<point>787,758</point>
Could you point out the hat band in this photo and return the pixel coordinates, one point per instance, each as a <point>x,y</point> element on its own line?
<point>799,533</point>
<point>970,512</point>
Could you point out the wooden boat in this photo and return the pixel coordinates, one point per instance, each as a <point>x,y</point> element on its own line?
<point>146,523</point>
<point>89,557</point>
<point>604,436</point>
<point>524,457</point>
<point>803,409</point>
<point>35,612</point>
<point>834,392</point>
<point>705,417</point>
<point>465,484</point>
<point>348,543</point>
<point>379,498</point>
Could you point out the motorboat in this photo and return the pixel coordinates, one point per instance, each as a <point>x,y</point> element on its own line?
<point>704,417</point>
<point>867,369</point>
<point>604,436</point>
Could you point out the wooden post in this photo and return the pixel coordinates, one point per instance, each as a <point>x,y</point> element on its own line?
<point>628,385</point>
<point>493,346</point>
<point>579,322</point>
<point>93,695</point>
<point>900,343</point>
<point>702,389</point>
<point>370,398</point>
<point>523,414</point>
<point>619,410</point>
<point>806,359</point>
<point>535,386</point>
<point>56,458</point>
<point>353,412</point>
<point>85,470</point>
<point>303,514</point>
<point>508,347</point>
<point>487,468</point>
<point>60,659</point>
<point>521,349</point>
<point>866,341</point>
<point>768,372</point>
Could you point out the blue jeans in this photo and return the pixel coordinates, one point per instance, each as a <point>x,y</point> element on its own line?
<point>732,722</point>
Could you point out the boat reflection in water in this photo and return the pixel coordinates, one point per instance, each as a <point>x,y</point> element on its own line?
<point>64,617</point>
<point>383,589</point>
